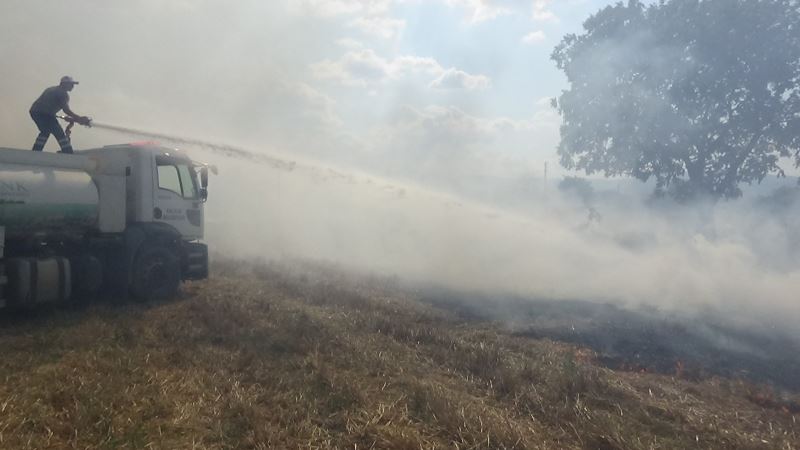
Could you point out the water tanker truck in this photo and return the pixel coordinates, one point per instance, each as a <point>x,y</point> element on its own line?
<point>128,218</point>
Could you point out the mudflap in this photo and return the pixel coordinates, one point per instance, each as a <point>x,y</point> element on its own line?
<point>194,264</point>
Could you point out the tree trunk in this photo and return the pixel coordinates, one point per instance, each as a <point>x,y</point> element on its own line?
<point>698,186</point>
<point>697,175</point>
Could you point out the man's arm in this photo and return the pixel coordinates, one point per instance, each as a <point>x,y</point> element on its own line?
<point>83,120</point>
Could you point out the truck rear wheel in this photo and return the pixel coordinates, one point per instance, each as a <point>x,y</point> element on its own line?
<point>156,274</point>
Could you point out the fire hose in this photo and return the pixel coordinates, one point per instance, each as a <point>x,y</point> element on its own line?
<point>71,121</point>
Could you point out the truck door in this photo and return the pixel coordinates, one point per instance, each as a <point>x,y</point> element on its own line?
<point>177,199</point>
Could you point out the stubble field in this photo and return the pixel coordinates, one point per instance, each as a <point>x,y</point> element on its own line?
<point>309,356</point>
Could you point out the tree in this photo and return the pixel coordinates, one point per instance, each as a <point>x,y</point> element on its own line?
<point>701,95</point>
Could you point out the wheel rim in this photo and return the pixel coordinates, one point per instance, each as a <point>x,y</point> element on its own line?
<point>155,274</point>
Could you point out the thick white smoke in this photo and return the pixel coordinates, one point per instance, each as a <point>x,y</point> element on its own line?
<point>737,260</point>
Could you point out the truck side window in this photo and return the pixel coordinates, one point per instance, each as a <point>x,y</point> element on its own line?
<point>188,180</point>
<point>168,179</point>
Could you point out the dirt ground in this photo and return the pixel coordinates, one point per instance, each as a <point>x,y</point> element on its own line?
<point>308,356</point>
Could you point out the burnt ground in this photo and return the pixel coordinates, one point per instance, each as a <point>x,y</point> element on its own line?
<point>643,340</point>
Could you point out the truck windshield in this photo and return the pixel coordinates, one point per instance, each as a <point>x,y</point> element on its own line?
<point>176,176</point>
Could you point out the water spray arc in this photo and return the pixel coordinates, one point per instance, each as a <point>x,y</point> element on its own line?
<point>221,149</point>
<point>316,169</point>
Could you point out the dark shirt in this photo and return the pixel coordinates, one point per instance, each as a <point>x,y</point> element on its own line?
<point>52,100</point>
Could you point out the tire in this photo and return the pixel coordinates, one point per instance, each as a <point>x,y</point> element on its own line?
<point>156,274</point>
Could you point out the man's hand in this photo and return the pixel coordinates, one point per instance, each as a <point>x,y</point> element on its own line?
<point>83,120</point>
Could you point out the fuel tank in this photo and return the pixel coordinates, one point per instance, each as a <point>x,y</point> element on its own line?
<point>37,199</point>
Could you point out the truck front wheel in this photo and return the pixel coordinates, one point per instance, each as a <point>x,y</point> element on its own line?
<point>156,274</point>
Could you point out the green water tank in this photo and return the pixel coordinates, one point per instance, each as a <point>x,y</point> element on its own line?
<point>39,200</point>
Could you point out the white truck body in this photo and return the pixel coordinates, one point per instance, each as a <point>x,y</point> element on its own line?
<point>99,214</point>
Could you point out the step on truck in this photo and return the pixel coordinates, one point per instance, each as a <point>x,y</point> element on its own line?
<point>127,219</point>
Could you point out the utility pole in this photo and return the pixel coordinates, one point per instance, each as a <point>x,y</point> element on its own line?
<point>544,185</point>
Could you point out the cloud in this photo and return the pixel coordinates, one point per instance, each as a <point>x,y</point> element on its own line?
<point>371,17</point>
<point>481,10</point>
<point>458,79</point>
<point>332,8</point>
<point>534,37</point>
<point>364,67</point>
<point>381,27</point>
<point>403,65</point>
<point>484,10</point>
<point>542,11</point>
<point>476,11</point>
<point>355,68</point>
<point>349,43</point>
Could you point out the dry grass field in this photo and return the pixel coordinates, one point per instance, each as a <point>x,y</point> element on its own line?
<point>271,356</point>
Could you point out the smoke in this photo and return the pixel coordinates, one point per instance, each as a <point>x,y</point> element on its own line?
<point>736,260</point>
<point>391,176</point>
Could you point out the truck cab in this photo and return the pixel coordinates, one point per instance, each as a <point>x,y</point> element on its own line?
<point>128,217</point>
<point>163,185</point>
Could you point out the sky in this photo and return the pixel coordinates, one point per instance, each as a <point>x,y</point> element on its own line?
<point>407,88</point>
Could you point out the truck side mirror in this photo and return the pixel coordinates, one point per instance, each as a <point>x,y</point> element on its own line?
<point>203,194</point>
<point>204,177</point>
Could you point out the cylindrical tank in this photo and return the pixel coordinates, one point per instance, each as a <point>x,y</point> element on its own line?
<point>40,199</point>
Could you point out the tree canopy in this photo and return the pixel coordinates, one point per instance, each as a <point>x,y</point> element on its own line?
<point>701,95</point>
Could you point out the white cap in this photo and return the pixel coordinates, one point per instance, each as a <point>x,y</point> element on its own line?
<point>68,80</point>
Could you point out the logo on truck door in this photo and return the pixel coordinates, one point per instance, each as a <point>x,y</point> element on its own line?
<point>173,214</point>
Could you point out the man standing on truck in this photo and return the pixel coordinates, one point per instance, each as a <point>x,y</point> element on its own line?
<point>43,112</point>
